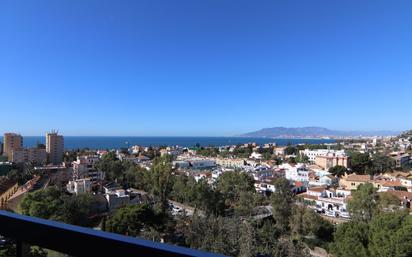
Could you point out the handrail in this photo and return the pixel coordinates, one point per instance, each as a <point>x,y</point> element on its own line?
<point>79,241</point>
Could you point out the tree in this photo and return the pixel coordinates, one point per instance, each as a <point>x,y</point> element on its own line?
<point>231,184</point>
<point>302,158</point>
<point>381,231</point>
<point>381,163</point>
<point>305,222</point>
<point>360,162</point>
<point>402,239</point>
<point>266,238</point>
<point>290,150</point>
<point>214,234</point>
<point>286,247</point>
<point>161,180</point>
<point>51,203</point>
<point>282,200</point>
<point>364,202</point>
<point>351,240</point>
<point>247,243</point>
<point>338,170</point>
<point>291,160</point>
<point>44,203</point>
<point>246,203</point>
<point>131,220</point>
<point>79,209</point>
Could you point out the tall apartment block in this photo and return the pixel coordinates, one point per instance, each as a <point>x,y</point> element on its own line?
<point>12,141</point>
<point>54,147</point>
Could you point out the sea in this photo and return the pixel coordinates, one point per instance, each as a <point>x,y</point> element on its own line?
<point>116,142</point>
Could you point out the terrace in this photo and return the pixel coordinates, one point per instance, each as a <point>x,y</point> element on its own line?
<point>79,241</point>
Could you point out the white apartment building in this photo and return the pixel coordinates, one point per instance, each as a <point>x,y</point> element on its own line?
<point>117,198</point>
<point>84,167</point>
<point>79,186</point>
<point>312,154</point>
<point>297,172</point>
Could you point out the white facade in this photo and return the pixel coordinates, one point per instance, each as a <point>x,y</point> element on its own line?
<point>116,199</point>
<point>297,172</point>
<point>84,167</point>
<point>312,154</point>
<point>79,186</point>
<point>256,156</point>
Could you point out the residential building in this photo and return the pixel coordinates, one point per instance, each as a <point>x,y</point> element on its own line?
<point>34,155</point>
<point>116,199</point>
<point>202,164</point>
<point>329,201</point>
<point>256,156</point>
<point>321,180</point>
<point>402,160</point>
<point>297,172</point>
<point>327,158</point>
<point>84,167</point>
<point>279,150</point>
<point>79,186</point>
<point>332,160</point>
<point>352,181</point>
<point>55,147</point>
<point>230,162</point>
<point>12,141</point>
<point>262,172</point>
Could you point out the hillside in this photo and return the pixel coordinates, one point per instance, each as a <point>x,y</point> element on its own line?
<point>313,132</point>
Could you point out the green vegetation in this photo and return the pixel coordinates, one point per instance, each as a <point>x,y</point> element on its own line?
<point>387,234</point>
<point>139,221</point>
<point>52,203</point>
<point>363,163</point>
<point>338,170</point>
<point>223,219</point>
<point>378,227</point>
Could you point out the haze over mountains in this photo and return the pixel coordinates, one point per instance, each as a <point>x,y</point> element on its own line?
<point>314,132</point>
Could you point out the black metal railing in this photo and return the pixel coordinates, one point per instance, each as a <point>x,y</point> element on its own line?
<point>79,241</point>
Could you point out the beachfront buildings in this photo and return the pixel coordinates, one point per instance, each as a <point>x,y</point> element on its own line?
<point>54,147</point>
<point>12,141</point>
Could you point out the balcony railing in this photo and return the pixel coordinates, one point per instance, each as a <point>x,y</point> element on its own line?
<point>79,241</point>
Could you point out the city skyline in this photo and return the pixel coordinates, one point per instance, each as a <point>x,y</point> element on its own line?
<point>212,68</point>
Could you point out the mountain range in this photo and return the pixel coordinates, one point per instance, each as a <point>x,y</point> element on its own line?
<point>314,132</point>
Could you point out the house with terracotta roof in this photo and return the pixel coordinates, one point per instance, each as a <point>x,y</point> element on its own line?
<point>403,196</point>
<point>352,181</point>
<point>387,185</point>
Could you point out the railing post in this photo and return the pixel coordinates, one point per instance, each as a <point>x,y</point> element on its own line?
<point>22,249</point>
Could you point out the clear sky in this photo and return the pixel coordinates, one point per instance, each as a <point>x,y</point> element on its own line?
<point>211,67</point>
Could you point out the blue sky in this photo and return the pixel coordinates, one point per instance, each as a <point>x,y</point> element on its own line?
<point>215,67</point>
